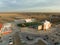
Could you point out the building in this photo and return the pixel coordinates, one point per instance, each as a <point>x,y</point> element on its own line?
<point>45,25</point>
<point>0,29</point>
<point>40,27</point>
<point>30,20</point>
<point>55,18</point>
<point>1,26</point>
<point>6,28</point>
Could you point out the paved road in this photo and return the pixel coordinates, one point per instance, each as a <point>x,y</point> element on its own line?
<point>17,40</point>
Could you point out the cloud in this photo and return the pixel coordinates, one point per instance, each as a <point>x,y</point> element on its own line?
<point>22,5</point>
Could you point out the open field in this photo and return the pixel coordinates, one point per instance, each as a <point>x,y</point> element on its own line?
<point>10,16</point>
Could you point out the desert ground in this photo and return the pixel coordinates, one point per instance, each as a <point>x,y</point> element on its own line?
<point>10,16</point>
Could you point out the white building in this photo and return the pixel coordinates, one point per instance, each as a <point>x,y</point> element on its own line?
<point>6,28</point>
<point>47,25</point>
<point>40,27</point>
<point>30,20</point>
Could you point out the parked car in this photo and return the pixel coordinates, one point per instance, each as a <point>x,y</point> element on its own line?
<point>10,40</point>
<point>29,38</point>
<point>0,39</point>
<point>10,37</point>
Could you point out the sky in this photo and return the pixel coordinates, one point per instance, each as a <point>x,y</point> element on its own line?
<point>29,5</point>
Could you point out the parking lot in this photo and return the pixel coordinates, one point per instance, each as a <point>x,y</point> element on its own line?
<point>51,36</point>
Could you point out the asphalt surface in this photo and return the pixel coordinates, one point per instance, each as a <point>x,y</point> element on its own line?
<point>19,38</point>
<point>5,39</point>
<point>53,35</point>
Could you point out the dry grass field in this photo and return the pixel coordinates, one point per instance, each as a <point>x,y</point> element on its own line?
<point>10,16</point>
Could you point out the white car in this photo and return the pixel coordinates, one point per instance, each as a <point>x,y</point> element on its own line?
<point>10,37</point>
<point>10,42</point>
